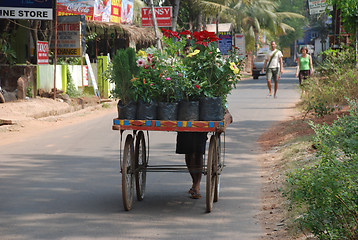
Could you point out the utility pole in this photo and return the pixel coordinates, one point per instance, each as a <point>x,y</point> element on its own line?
<point>55,58</point>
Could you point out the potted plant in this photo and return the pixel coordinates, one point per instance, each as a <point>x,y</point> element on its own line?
<point>123,67</point>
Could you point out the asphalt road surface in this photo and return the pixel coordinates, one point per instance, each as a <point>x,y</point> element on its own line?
<point>66,184</point>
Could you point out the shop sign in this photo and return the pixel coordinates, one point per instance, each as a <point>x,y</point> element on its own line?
<point>240,44</point>
<point>26,9</point>
<point>162,14</point>
<point>71,38</point>
<point>127,11</point>
<point>42,52</point>
<point>225,42</point>
<point>317,6</point>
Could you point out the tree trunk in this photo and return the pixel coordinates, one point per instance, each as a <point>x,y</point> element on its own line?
<point>355,45</point>
<point>176,13</point>
<point>200,21</point>
<point>154,18</point>
<point>217,24</point>
<point>34,31</point>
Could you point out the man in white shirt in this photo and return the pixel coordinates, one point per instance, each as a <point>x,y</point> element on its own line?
<point>274,69</point>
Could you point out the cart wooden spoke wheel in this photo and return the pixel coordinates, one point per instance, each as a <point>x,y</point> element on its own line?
<point>211,173</point>
<point>220,166</point>
<point>141,162</point>
<point>128,173</point>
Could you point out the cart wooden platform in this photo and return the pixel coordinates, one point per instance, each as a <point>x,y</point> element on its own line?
<point>134,161</point>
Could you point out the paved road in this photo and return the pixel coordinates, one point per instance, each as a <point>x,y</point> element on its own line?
<point>66,184</point>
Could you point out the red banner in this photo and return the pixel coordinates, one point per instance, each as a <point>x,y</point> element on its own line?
<point>42,52</point>
<point>162,14</point>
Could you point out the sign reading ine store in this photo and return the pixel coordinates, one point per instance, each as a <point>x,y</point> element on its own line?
<point>71,36</point>
<point>26,9</point>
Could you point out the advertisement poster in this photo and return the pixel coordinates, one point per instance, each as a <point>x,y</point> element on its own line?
<point>317,6</point>
<point>76,7</point>
<point>225,42</point>
<point>240,44</point>
<point>42,52</point>
<point>163,15</point>
<point>127,11</point>
<point>26,9</point>
<point>116,11</point>
<point>71,36</point>
<point>102,10</point>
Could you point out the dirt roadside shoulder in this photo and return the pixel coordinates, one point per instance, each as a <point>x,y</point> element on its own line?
<point>39,115</point>
<point>273,215</point>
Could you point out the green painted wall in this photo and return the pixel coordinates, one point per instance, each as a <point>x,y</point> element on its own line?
<point>103,83</point>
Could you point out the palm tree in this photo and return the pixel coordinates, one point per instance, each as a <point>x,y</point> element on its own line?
<point>253,17</point>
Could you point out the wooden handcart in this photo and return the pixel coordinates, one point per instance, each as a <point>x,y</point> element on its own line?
<point>134,161</point>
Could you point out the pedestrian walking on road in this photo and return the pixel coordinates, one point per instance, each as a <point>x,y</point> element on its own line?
<point>274,68</point>
<point>304,66</point>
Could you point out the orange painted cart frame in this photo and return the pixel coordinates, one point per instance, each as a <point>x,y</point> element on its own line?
<point>134,162</point>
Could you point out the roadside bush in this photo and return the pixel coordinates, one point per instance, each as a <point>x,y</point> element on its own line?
<point>326,194</point>
<point>336,61</point>
<point>336,80</point>
<point>71,89</point>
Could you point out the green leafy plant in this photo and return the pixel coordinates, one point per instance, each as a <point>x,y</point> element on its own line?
<point>326,194</point>
<point>216,75</point>
<point>189,67</point>
<point>7,53</point>
<point>71,89</point>
<point>336,80</point>
<point>29,90</point>
<point>123,68</point>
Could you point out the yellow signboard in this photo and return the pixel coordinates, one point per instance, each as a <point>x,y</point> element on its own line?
<point>286,52</point>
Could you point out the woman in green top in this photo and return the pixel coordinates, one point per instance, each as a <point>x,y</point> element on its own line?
<point>304,65</point>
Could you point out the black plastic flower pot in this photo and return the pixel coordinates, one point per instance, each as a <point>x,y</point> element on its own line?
<point>168,111</point>
<point>188,111</point>
<point>211,109</point>
<point>127,111</point>
<point>147,111</point>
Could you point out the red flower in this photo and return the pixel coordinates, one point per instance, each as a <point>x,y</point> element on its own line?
<point>186,32</point>
<point>197,86</point>
<point>205,37</point>
<point>169,33</point>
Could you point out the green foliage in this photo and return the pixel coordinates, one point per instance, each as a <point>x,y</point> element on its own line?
<point>320,106</point>
<point>349,13</point>
<point>336,61</point>
<point>336,80</point>
<point>175,74</point>
<point>326,194</point>
<point>29,90</point>
<point>7,53</point>
<point>297,6</point>
<point>71,88</point>
<point>123,67</point>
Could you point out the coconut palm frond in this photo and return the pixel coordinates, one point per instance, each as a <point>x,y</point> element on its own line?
<point>290,15</point>
<point>283,28</point>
